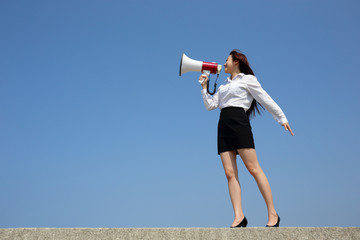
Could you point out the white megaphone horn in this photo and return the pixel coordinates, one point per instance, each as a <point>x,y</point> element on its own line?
<point>190,65</point>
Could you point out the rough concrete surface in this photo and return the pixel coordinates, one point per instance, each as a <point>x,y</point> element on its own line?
<point>250,233</point>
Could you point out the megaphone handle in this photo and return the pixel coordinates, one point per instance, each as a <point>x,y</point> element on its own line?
<point>206,73</point>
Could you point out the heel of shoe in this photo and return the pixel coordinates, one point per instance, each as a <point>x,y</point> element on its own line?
<point>277,223</point>
<point>243,223</point>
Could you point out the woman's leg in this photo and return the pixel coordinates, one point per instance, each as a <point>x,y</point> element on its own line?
<point>231,171</point>
<point>248,155</point>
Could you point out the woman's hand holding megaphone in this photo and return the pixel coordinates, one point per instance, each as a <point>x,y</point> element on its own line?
<point>203,80</point>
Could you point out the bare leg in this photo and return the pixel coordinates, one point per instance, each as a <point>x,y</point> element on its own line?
<point>231,171</point>
<point>248,155</point>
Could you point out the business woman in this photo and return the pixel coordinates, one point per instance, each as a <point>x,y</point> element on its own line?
<point>238,98</point>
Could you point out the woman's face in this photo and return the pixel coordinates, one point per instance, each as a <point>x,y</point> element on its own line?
<point>230,65</point>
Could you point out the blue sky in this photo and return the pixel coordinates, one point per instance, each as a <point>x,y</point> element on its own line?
<point>98,130</point>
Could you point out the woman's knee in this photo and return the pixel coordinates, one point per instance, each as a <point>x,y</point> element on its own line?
<point>248,155</point>
<point>254,171</point>
<point>229,163</point>
<point>230,173</point>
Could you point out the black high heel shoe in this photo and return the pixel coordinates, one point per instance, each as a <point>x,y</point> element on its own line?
<point>243,223</point>
<point>277,224</point>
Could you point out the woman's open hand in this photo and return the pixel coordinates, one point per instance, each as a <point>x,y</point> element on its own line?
<point>288,128</point>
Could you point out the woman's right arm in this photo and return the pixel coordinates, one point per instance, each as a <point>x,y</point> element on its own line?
<point>210,102</point>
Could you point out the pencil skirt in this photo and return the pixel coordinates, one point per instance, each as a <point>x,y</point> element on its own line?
<point>234,130</point>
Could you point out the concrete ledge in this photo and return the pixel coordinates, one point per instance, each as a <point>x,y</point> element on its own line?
<point>250,233</point>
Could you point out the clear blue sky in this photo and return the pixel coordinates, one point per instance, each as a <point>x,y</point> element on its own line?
<point>98,130</point>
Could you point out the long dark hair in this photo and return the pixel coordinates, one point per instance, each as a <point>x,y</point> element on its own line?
<point>246,69</point>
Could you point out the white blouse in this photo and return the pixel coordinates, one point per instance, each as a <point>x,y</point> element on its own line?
<point>240,92</point>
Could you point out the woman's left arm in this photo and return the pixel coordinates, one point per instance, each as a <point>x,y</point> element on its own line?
<point>264,99</point>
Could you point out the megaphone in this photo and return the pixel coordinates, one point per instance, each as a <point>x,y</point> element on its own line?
<point>190,65</point>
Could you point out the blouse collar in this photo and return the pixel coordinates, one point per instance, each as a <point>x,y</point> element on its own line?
<point>240,75</point>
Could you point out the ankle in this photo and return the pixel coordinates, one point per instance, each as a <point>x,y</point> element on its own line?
<point>272,214</point>
<point>239,217</point>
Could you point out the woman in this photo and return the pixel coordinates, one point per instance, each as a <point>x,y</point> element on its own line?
<point>238,98</point>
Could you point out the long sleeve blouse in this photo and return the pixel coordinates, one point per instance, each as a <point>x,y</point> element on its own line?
<point>240,92</point>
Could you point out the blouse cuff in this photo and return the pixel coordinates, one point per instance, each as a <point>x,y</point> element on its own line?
<point>282,120</point>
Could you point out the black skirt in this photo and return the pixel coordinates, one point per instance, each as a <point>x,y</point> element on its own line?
<point>234,130</point>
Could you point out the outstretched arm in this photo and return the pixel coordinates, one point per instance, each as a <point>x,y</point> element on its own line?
<point>264,99</point>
